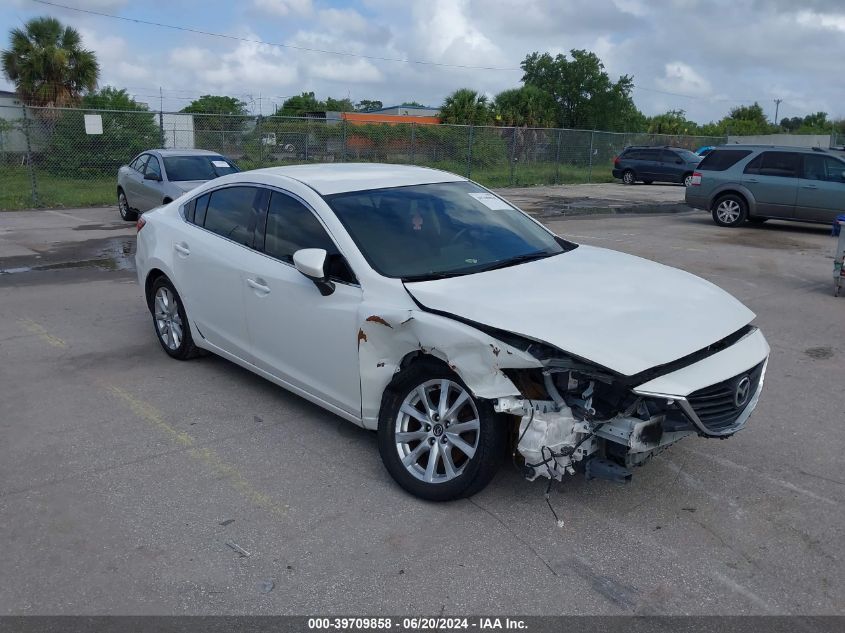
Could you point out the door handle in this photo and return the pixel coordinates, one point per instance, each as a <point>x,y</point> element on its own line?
<point>809,187</point>
<point>257,284</point>
<point>751,180</point>
<point>182,249</point>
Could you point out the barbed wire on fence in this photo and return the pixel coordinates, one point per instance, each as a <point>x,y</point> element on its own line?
<point>51,157</point>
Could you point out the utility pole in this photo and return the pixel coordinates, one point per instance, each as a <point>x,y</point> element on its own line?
<point>777,107</point>
<point>161,116</point>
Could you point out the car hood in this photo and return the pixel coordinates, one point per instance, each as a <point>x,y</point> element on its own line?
<point>185,186</point>
<point>625,313</point>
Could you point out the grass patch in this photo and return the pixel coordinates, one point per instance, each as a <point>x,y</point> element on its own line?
<point>56,191</point>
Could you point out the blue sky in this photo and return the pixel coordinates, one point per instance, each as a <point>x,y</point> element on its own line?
<point>702,56</point>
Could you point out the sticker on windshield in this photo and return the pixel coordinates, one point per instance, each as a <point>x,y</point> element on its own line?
<point>219,163</point>
<point>491,202</point>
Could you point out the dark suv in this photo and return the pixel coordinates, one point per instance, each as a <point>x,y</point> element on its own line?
<point>752,182</point>
<point>655,164</point>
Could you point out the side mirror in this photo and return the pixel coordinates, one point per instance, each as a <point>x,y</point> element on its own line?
<point>311,262</point>
<point>151,176</point>
<point>842,175</point>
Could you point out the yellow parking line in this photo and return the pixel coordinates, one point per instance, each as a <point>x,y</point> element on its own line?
<point>36,328</point>
<point>204,454</point>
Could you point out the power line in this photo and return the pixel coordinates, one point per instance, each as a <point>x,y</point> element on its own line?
<point>348,53</point>
<point>255,41</point>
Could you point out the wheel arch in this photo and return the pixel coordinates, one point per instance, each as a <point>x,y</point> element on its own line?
<point>736,190</point>
<point>391,341</point>
<point>152,276</point>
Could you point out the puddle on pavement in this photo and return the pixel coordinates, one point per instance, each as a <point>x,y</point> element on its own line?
<point>113,254</point>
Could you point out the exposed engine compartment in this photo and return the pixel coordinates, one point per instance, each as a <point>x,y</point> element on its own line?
<point>575,418</point>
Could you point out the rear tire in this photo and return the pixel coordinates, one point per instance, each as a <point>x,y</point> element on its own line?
<point>465,458</point>
<point>628,177</point>
<point>730,210</point>
<point>170,321</point>
<point>126,212</point>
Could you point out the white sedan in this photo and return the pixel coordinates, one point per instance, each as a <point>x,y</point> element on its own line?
<point>417,303</point>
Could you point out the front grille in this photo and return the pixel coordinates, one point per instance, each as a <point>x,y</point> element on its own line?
<point>716,405</point>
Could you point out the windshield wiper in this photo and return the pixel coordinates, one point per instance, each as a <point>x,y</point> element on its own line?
<point>513,261</point>
<point>432,276</point>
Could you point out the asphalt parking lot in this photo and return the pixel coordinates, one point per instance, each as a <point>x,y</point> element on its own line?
<point>132,483</point>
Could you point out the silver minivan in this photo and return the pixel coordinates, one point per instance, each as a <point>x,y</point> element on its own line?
<point>158,176</point>
<point>755,183</point>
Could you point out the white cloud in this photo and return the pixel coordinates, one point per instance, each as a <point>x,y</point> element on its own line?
<point>683,79</point>
<point>282,8</point>
<point>342,20</point>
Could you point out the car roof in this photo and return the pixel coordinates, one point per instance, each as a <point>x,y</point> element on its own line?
<point>656,147</point>
<point>330,178</point>
<point>781,148</point>
<point>183,152</point>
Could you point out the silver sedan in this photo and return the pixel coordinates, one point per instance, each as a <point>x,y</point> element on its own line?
<point>159,176</point>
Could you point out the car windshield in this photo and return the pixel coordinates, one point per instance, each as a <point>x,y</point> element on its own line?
<point>197,167</point>
<point>440,230</point>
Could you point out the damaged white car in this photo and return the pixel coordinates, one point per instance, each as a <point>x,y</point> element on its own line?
<point>417,303</point>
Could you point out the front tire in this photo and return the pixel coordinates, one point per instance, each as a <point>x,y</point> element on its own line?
<point>170,321</point>
<point>126,212</point>
<point>628,177</point>
<point>730,210</point>
<point>436,440</point>
<point>687,180</point>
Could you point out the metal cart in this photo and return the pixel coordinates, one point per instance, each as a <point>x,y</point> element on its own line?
<point>839,256</point>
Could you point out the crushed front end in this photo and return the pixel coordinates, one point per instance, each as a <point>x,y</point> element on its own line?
<point>575,417</point>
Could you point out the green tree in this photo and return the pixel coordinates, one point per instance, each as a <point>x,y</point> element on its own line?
<point>415,104</point>
<point>528,106</point>
<point>583,92</point>
<point>746,121</point>
<point>368,105</point>
<point>218,121</point>
<point>338,105</point>
<point>47,64</point>
<point>215,104</point>
<point>298,105</point>
<point>672,122</point>
<point>130,129</point>
<point>465,107</point>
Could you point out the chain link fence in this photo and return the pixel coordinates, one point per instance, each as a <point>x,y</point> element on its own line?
<point>70,157</point>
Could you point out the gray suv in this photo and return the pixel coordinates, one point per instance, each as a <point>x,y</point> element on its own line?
<point>157,176</point>
<point>757,183</point>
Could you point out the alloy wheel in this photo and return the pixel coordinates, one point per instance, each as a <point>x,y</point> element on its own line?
<point>437,431</point>
<point>123,205</point>
<point>167,319</point>
<point>728,211</point>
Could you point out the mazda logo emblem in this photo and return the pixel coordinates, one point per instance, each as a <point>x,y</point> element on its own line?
<point>743,391</point>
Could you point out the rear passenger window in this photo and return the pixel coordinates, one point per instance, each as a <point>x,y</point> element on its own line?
<point>722,159</point>
<point>820,167</point>
<point>632,154</point>
<point>233,212</point>
<point>783,164</point>
<point>292,226</point>
<point>199,210</point>
<point>650,154</point>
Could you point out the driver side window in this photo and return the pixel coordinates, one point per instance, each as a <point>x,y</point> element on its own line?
<point>292,226</point>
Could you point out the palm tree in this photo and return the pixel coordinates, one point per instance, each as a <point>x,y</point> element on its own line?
<point>466,107</point>
<point>48,65</point>
<point>527,106</point>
